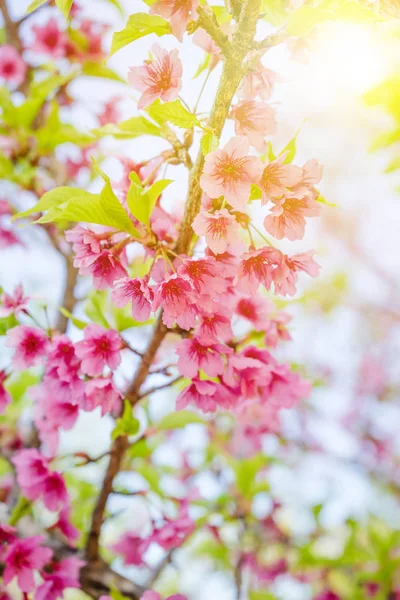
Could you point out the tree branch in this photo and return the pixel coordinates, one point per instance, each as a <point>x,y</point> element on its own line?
<point>11,27</point>
<point>208,22</point>
<point>68,301</point>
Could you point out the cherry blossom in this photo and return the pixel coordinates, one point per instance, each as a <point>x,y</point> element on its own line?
<point>193,356</point>
<point>22,558</point>
<point>30,344</point>
<point>136,291</point>
<point>12,66</point>
<point>158,78</point>
<point>219,228</point>
<point>285,274</point>
<point>131,547</point>
<point>230,172</point>
<point>254,120</point>
<point>278,177</point>
<point>258,267</point>
<point>287,218</point>
<point>64,575</point>
<point>208,396</point>
<point>99,348</point>
<point>102,392</point>
<point>175,297</point>
<point>5,397</point>
<point>259,82</point>
<point>178,12</point>
<point>13,303</point>
<point>49,39</point>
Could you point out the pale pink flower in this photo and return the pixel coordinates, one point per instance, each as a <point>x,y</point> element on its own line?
<point>101,392</point>
<point>100,348</point>
<point>64,575</point>
<point>13,303</point>
<point>287,217</point>
<point>52,491</point>
<point>158,78</point>
<point>220,229</point>
<point>7,536</point>
<point>254,120</point>
<point>214,327</point>
<point>258,83</point>
<point>254,309</point>
<point>136,291</point>
<point>275,330</point>
<point>174,532</point>
<point>231,172</point>
<point>205,275</point>
<point>257,267</point>
<point>175,296</point>
<point>285,275</point>
<point>62,362</point>
<point>64,525</point>
<point>30,343</point>
<point>277,177</point>
<point>178,12</point>
<point>8,238</point>
<point>202,39</point>
<point>110,112</point>
<point>193,356</point>
<point>248,371</point>
<point>12,65</point>
<point>49,39</point>
<point>5,397</point>
<point>132,548</point>
<point>311,174</point>
<point>208,396</point>
<point>105,269</point>
<point>24,557</point>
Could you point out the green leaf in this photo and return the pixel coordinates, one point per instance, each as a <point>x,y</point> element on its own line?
<point>34,5</point>
<point>290,148</point>
<point>302,21</point>
<point>77,322</point>
<point>20,509</point>
<point>95,308</point>
<point>117,6</point>
<point>127,424</point>
<point>94,69</point>
<point>179,419</point>
<point>131,128</point>
<point>140,201</point>
<point>64,6</point>
<point>274,11</point>
<point>55,198</point>
<point>209,143</point>
<point>139,25</point>
<point>174,112</point>
<point>116,595</point>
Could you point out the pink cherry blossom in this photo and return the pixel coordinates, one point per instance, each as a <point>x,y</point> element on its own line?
<point>30,344</point>
<point>158,78</point>
<point>106,269</point>
<point>49,39</point>
<point>230,172</point>
<point>136,291</point>
<point>287,218</point>
<point>254,120</point>
<point>327,595</point>
<point>205,276</point>
<point>275,330</point>
<point>100,348</point>
<point>213,328</point>
<point>208,396</point>
<point>278,177</point>
<point>101,392</point>
<point>285,275</point>
<point>110,113</point>
<point>258,83</point>
<point>24,557</point>
<point>8,238</point>
<point>285,388</point>
<point>7,536</point>
<point>256,310</point>
<point>5,397</point>
<point>62,362</point>
<point>175,297</point>
<point>257,267</point>
<point>64,525</point>
<point>131,547</point>
<point>202,39</point>
<point>174,532</point>
<point>220,229</point>
<point>13,303</point>
<point>64,575</point>
<point>178,12</point>
<point>12,65</point>
<point>193,356</point>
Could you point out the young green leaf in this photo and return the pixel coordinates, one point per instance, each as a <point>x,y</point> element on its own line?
<point>64,6</point>
<point>179,419</point>
<point>209,143</point>
<point>127,424</point>
<point>174,112</point>
<point>34,5</point>
<point>139,25</point>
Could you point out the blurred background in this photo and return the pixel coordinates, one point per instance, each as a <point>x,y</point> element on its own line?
<point>346,323</point>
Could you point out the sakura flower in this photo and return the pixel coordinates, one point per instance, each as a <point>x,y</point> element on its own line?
<point>202,39</point>
<point>327,595</point>
<point>62,362</point>
<point>158,78</point>
<point>208,396</point>
<point>110,112</point>
<point>277,177</point>
<point>30,344</point>
<point>255,310</point>
<point>23,557</point>
<point>101,392</point>
<point>49,39</point>
<point>193,356</point>
<point>106,269</point>
<point>178,12</point>
<point>175,296</point>
<point>13,303</point>
<point>248,371</point>
<point>214,327</point>
<point>254,120</point>
<point>231,172</point>
<point>220,229</point>
<point>64,525</point>
<point>136,291</point>
<point>8,238</point>
<point>52,491</point>
<point>32,467</point>
<point>275,329</point>
<point>131,547</point>
<point>7,536</point>
<point>285,389</point>
<point>173,533</point>
<point>311,174</point>
<point>100,348</point>
<point>258,83</point>
<point>5,397</point>
<point>257,267</point>
<point>64,575</point>
<point>205,275</point>
<point>287,218</point>
<point>285,275</point>
<point>12,65</point>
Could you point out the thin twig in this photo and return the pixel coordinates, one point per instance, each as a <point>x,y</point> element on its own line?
<point>160,387</point>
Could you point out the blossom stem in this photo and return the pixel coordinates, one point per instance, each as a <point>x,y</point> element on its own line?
<point>266,240</point>
<point>160,387</point>
<point>203,87</point>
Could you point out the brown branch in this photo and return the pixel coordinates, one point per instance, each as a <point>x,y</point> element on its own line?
<point>271,40</point>
<point>69,300</point>
<point>209,23</point>
<point>160,387</point>
<point>11,27</point>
